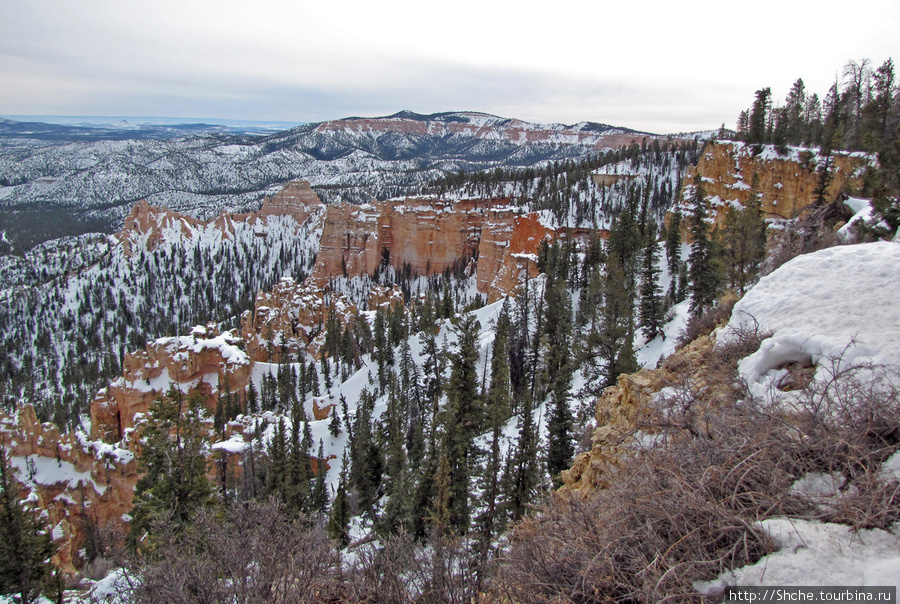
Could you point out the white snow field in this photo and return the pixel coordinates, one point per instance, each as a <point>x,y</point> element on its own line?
<point>835,307</point>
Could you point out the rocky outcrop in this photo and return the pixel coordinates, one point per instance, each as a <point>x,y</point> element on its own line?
<point>623,409</point>
<point>85,487</point>
<point>786,184</point>
<point>289,318</point>
<point>147,225</point>
<point>202,362</point>
<point>427,236</point>
<point>508,253</point>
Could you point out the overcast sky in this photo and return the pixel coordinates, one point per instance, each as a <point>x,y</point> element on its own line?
<point>659,66</point>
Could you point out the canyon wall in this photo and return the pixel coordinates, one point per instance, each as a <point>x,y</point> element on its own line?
<point>201,362</point>
<point>786,184</point>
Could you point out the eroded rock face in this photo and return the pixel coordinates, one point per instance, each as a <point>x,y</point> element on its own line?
<point>427,236</point>
<point>290,318</point>
<point>82,485</point>
<point>146,225</point>
<point>202,362</point>
<point>623,409</point>
<point>786,185</point>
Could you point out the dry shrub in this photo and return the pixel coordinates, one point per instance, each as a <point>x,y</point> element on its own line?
<point>685,509</point>
<point>400,570</point>
<point>706,322</point>
<point>255,553</point>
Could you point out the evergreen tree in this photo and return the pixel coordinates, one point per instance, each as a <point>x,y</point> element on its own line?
<point>704,281</point>
<point>174,484</point>
<point>498,409</point>
<point>558,323</point>
<point>617,320</point>
<point>319,502</point>
<point>339,518</point>
<point>651,314</point>
<point>744,242</point>
<point>462,419</point>
<point>757,135</point>
<point>25,546</point>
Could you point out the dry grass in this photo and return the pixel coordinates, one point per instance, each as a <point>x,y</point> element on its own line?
<point>685,510</point>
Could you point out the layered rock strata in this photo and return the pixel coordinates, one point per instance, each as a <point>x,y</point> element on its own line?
<point>787,184</point>
<point>201,362</point>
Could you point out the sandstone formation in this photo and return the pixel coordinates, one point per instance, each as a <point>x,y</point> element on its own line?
<point>147,224</point>
<point>623,409</point>
<point>428,236</point>
<point>82,485</point>
<point>201,362</point>
<point>786,185</point>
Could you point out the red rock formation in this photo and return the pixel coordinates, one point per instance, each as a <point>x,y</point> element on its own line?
<point>199,362</point>
<point>786,185</point>
<point>429,236</point>
<point>296,199</point>
<point>79,483</point>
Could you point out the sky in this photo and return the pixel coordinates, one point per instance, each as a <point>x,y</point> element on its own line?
<point>657,66</point>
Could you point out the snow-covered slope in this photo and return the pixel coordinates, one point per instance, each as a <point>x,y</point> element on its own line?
<point>355,159</point>
<point>836,304</point>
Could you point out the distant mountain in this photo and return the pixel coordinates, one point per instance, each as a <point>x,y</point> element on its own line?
<point>66,180</point>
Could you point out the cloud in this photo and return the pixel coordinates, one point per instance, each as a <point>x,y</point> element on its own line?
<point>647,64</point>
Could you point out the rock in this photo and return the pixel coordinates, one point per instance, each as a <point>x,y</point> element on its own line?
<point>145,224</point>
<point>82,485</point>
<point>200,362</point>
<point>786,184</point>
<point>624,408</point>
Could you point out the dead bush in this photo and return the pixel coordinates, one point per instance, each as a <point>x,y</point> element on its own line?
<point>705,323</point>
<point>685,508</point>
<point>253,553</point>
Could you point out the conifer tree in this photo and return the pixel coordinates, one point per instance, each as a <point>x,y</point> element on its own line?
<point>497,409</point>
<point>704,281</point>
<point>462,419</point>
<point>744,242</point>
<point>617,320</point>
<point>759,118</point>
<point>174,484</point>
<point>366,459</point>
<point>319,491</point>
<point>25,546</point>
<point>339,518</point>
<point>559,371</point>
<point>651,314</point>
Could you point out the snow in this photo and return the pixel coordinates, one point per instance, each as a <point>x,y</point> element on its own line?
<point>818,554</point>
<point>862,212</point>
<point>36,469</point>
<point>650,353</point>
<point>837,304</point>
<point>890,469</point>
<point>235,444</point>
<point>108,589</point>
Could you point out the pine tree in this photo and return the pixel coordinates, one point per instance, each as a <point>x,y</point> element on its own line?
<point>174,485</point>
<point>559,371</point>
<point>319,502</point>
<point>498,409</point>
<point>339,519</point>
<point>704,281</point>
<point>617,319</point>
<point>462,419</point>
<point>25,546</point>
<point>759,118</point>
<point>651,315</point>
<point>744,242</point>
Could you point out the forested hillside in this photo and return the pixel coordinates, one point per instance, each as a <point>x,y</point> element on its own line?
<point>364,412</point>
